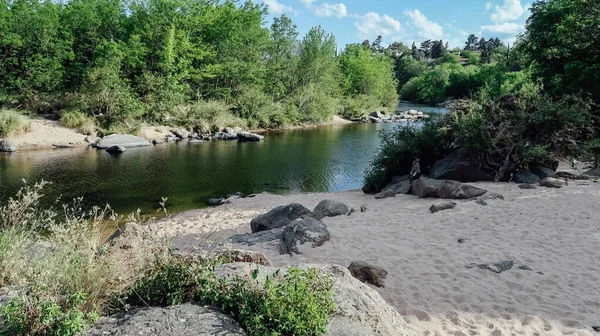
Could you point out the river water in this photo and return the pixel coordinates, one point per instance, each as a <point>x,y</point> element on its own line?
<point>327,158</point>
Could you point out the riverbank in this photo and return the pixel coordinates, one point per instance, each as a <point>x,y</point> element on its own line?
<point>551,236</point>
<point>48,134</point>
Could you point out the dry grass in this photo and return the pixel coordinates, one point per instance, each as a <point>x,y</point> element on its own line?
<point>13,123</point>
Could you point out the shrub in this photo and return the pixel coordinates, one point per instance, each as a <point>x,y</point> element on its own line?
<point>205,116</point>
<point>314,104</point>
<point>259,109</point>
<point>357,107</point>
<point>13,123</point>
<point>78,120</point>
<point>400,147</point>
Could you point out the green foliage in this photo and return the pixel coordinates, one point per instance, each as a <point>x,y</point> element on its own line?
<point>206,116</point>
<point>259,109</point>
<point>12,123</point>
<point>297,303</point>
<point>400,147</point>
<point>560,44</point>
<point>37,315</point>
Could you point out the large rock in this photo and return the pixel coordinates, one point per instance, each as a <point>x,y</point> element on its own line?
<point>182,320</point>
<point>377,115</point>
<point>368,273</point>
<point>181,133</point>
<point>301,231</point>
<point>116,149</point>
<point>279,217</point>
<point>247,136</point>
<point>527,177</point>
<point>542,172</point>
<point>260,237</point>
<point>550,182</point>
<point>462,165</point>
<point>395,188</point>
<point>7,146</point>
<point>426,187</point>
<point>123,140</point>
<point>329,208</point>
<point>360,310</point>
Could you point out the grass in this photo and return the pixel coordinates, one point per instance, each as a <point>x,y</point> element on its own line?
<point>78,120</point>
<point>69,276</point>
<point>13,123</point>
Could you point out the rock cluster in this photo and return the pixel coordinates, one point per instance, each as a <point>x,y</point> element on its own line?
<point>406,116</point>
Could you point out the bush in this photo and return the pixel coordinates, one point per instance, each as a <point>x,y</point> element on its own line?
<point>78,120</point>
<point>13,123</point>
<point>299,303</point>
<point>400,147</point>
<point>313,104</point>
<point>355,108</point>
<point>259,109</point>
<point>206,116</point>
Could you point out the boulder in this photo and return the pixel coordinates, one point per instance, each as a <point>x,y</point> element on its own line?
<point>542,172</point>
<point>329,208</point>
<point>7,146</point>
<point>377,114</point>
<point>229,130</point>
<point>215,201</point>
<point>527,186</point>
<point>225,136</point>
<point>157,141</point>
<point>572,176</point>
<point>303,230</point>
<point>260,237</point>
<point>247,136</point>
<point>116,149</point>
<point>463,166</point>
<point>367,273</point>
<point>526,176</point>
<point>123,140</point>
<point>195,141</point>
<point>279,217</point>
<point>395,188</point>
<point>442,206</point>
<point>426,187</point>
<point>374,120</point>
<point>181,320</point>
<point>550,182</point>
<point>181,133</point>
<point>360,310</point>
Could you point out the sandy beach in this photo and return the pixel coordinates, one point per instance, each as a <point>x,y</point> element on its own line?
<point>551,235</point>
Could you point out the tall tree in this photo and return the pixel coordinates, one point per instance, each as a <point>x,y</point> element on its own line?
<point>471,42</point>
<point>283,57</point>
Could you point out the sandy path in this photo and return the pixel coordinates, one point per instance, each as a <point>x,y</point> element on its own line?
<point>553,231</point>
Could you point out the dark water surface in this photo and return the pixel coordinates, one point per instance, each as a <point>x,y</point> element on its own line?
<point>328,158</point>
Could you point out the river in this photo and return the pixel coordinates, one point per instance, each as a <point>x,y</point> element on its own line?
<point>327,158</point>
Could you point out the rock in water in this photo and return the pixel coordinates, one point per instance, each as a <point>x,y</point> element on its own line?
<point>462,165</point>
<point>542,172</point>
<point>426,187</point>
<point>116,149</point>
<point>368,273</point>
<point>442,206</point>
<point>360,310</point>
<point>7,146</point>
<point>279,217</point>
<point>181,133</point>
<point>377,115</point>
<point>303,230</point>
<point>247,136</point>
<point>329,208</point>
<point>124,140</point>
<point>181,320</point>
<point>526,177</point>
<point>550,182</point>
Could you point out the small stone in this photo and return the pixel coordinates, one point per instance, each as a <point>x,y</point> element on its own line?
<point>525,268</point>
<point>463,240</point>
<point>480,201</point>
<point>527,186</point>
<point>116,149</point>
<point>351,211</point>
<point>368,273</point>
<point>442,206</point>
<point>364,208</point>
<point>550,182</point>
<point>215,201</point>
<point>157,142</point>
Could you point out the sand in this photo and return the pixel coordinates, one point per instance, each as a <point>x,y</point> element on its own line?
<point>555,232</point>
<point>45,133</point>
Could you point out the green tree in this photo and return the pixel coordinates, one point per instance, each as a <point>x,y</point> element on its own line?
<point>283,57</point>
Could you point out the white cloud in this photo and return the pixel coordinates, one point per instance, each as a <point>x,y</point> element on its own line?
<point>488,6</point>
<point>307,3</point>
<point>277,8</point>
<point>328,10</point>
<point>426,29</point>
<point>506,28</point>
<point>509,11</point>
<point>372,24</point>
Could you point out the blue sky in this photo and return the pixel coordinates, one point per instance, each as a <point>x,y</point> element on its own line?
<point>407,20</point>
